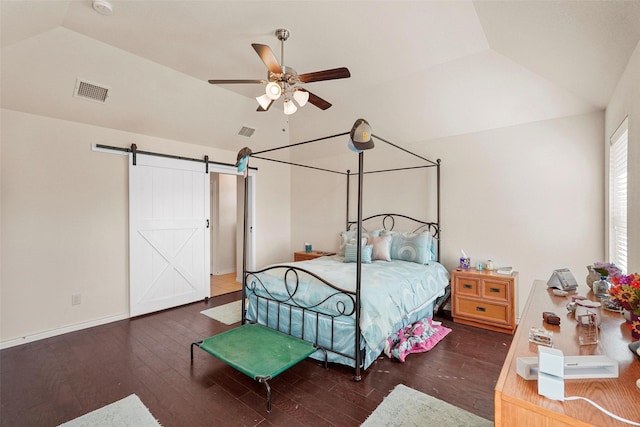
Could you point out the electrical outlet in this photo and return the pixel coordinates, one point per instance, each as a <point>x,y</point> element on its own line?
<point>75,299</point>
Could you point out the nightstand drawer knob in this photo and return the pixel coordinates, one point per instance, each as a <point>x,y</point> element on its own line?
<point>481,309</point>
<point>467,286</point>
<point>494,290</point>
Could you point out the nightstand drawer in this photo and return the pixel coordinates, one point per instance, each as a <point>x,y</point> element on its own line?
<point>495,289</point>
<point>467,286</point>
<point>483,310</point>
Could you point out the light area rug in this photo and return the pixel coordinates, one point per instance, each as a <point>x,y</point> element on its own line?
<point>128,412</point>
<point>228,313</point>
<point>407,407</point>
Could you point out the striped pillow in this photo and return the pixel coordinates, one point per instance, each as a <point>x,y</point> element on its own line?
<point>351,253</point>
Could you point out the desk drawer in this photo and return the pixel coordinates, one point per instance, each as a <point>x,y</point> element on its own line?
<point>467,286</point>
<point>482,310</point>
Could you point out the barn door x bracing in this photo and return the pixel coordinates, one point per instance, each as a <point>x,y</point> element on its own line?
<point>168,233</point>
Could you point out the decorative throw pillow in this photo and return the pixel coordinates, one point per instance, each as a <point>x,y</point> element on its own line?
<point>412,247</point>
<point>351,253</point>
<point>381,247</point>
<point>349,237</point>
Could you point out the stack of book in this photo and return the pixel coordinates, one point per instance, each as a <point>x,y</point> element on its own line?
<point>505,270</point>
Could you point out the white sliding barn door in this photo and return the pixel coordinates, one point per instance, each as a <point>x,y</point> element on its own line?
<point>168,233</point>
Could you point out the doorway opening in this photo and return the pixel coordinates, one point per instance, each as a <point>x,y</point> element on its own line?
<point>227,207</point>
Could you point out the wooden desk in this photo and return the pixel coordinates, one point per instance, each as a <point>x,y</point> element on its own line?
<point>517,402</point>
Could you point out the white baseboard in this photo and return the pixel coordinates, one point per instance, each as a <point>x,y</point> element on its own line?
<point>59,331</point>
<point>223,272</point>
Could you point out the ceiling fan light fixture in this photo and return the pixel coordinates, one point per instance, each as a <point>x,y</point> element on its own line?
<point>273,90</point>
<point>289,107</point>
<point>264,101</point>
<point>301,97</point>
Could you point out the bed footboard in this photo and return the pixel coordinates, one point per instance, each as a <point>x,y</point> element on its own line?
<point>278,298</point>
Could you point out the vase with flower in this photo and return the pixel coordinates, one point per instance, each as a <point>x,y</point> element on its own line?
<point>625,291</point>
<point>601,271</point>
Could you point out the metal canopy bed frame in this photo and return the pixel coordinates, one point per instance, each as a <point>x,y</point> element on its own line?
<point>345,302</point>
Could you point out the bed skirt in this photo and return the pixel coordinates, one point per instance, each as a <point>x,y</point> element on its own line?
<point>342,349</point>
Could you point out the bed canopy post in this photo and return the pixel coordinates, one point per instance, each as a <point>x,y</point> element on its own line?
<point>438,207</point>
<point>357,376</point>
<point>244,247</point>
<point>348,176</point>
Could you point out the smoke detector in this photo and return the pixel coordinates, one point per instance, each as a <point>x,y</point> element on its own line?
<point>103,7</point>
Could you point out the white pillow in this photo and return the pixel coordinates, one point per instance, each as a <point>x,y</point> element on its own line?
<point>381,247</point>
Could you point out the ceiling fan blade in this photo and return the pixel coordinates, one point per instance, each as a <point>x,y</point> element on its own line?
<point>267,56</point>
<point>317,101</point>
<point>225,82</point>
<point>333,74</point>
<point>265,109</point>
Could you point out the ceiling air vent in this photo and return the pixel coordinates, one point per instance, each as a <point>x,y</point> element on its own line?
<point>91,91</point>
<point>246,131</point>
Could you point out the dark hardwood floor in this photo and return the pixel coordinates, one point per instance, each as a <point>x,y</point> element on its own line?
<point>52,381</point>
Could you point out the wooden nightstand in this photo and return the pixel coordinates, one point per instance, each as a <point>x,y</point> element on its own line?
<point>484,299</point>
<point>304,256</point>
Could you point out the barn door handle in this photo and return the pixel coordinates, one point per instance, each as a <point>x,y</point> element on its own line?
<point>207,223</point>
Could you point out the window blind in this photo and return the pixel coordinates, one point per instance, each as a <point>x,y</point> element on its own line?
<point>618,152</point>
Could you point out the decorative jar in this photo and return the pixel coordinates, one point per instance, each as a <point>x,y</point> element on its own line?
<point>592,276</point>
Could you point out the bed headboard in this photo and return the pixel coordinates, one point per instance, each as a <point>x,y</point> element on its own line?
<point>387,221</point>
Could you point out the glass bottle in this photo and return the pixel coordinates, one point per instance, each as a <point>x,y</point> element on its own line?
<point>601,287</point>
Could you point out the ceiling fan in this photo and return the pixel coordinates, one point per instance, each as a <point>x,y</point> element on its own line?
<point>285,81</point>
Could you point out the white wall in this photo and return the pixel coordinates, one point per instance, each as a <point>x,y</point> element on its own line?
<point>64,222</point>
<point>626,102</point>
<point>224,223</point>
<point>526,196</point>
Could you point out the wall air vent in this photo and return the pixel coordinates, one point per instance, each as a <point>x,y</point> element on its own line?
<point>91,91</point>
<point>246,131</point>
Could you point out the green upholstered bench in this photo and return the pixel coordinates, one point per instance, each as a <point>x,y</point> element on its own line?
<point>257,351</point>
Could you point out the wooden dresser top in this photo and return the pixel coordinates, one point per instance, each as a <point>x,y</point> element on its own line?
<point>618,395</point>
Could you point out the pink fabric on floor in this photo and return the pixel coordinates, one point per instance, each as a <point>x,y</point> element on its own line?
<point>419,337</point>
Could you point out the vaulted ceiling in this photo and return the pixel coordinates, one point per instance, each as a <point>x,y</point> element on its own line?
<point>419,69</point>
